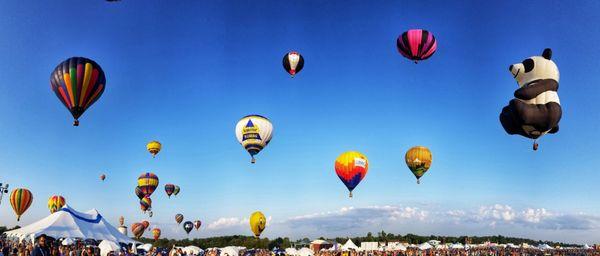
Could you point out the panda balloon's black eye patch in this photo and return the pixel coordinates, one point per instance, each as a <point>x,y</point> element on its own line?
<point>528,64</point>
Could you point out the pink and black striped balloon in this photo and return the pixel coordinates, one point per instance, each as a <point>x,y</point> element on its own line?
<point>416,44</point>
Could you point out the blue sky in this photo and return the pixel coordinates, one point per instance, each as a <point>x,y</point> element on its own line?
<point>184,72</point>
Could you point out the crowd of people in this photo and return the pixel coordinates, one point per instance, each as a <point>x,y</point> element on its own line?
<point>47,246</point>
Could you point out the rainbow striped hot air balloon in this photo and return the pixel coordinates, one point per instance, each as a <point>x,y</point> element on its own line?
<point>147,182</point>
<point>416,44</point>
<point>78,82</point>
<point>55,203</point>
<point>351,167</point>
<point>146,204</point>
<point>20,200</point>
<point>156,233</point>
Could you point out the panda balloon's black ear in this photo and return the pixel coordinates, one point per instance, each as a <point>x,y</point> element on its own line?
<point>547,54</point>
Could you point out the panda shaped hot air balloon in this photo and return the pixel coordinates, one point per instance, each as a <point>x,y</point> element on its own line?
<point>535,110</point>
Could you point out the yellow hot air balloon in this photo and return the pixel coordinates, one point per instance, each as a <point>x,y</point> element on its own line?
<point>153,147</point>
<point>418,159</point>
<point>257,223</point>
<point>55,203</point>
<point>254,132</point>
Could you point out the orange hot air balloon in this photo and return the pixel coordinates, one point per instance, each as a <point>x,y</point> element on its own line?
<point>20,200</point>
<point>156,233</point>
<point>137,229</point>
<point>55,203</point>
<point>351,167</point>
<point>418,159</point>
<point>145,223</point>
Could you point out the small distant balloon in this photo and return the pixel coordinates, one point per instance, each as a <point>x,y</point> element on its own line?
<point>179,218</point>
<point>418,159</point>
<point>293,62</point>
<point>351,167</point>
<point>121,221</point>
<point>20,200</point>
<point>102,177</point>
<point>156,233</point>
<point>153,147</point>
<point>146,204</point>
<point>258,222</point>
<point>145,223</point>
<point>416,44</point>
<point>55,203</point>
<point>188,226</point>
<point>169,189</point>
<point>197,224</point>
<point>176,190</point>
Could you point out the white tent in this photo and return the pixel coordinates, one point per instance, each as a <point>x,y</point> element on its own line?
<point>291,251</point>
<point>349,245</point>
<point>230,251</point>
<point>396,247</point>
<point>457,246</point>
<point>69,223</point>
<point>108,246</point>
<point>192,250</point>
<point>68,241</point>
<point>305,252</point>
<point>145,247</point>
<point>425,246</point>
<point>586,247</point>
<point>544,247</point>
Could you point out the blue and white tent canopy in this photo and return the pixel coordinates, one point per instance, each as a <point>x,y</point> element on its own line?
<point>69,223</point>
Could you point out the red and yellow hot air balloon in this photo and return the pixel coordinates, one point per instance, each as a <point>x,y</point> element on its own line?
<point>78,82</point>
<point>153,147</point>
<point>351,167</point>
<point>145,223</point>
<point>418,159</point>
<point>20,200</point>
<point>55,203</point>
<point>416,44</point>
<point>156,233</point>
<point>147,182</point>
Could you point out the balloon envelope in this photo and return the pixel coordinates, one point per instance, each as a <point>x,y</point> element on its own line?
<point>146,203</point>
<point>137,229</point>
<point>197,224</point>
<point>351,167</point>
<point>258,223</point>
<point>188,226</point>
<point>179,218</point>
<point>169,189</point>
<point>55,203</point>
<point>156,233</point>
<point>153,147</point>
<point>20,200</point>
<point>416,44</point>
<point>254,132</point>
<point>293,62</point>
<point>147,182</point>
<point>418,159</point>
<point>78,83</point>
<point>139,193</point>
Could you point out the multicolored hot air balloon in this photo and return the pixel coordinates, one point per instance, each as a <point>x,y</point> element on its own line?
<point>418,159</point>
<point>147,182</point>
<point>55,203</point>
<point>254,133</point>
<point>156,233</point>
<point>416,44</point>
<point>102,177</point>
<point>20,200</point>
<point>78,82</point>
<point>188,226</point>
<point>258,222</point>
<point>153,147</point>
<point>146,204</point>
<point>169,188</point>
<point>176,190</point>
<point>197,224</point>
<point>137,229</point>
<point>179,218</point>
<point>121,221</point>
<point>351,167</point>
<point>145,223</point>
<point>293,62</point>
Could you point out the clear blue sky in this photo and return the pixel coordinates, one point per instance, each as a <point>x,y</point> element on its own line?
<point>184,72</point>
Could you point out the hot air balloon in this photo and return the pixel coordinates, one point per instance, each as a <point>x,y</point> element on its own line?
<point>197,224</point>
<point>188,226</point>
<point>145,223</point>
<point>418,159</point>
<point>156,233</point>
<point>169,188</point>
<point>147,182</point>
<point>121,221</point>
<point>55,203</point>
<point>153,147</point>
<point>20,200</point>
<point>176,190</point>
<point>257,223</point>
<point>146,204</point>
<point>351,167</point>
<point>78,82</point>
<point>139,193</point>
<point>535,109</point>
<point>179,218</point>
<point>254,133</point>
<point>293,62</point>
<point>102,177</point>
<point>416,44</point>
<point>137,229</point>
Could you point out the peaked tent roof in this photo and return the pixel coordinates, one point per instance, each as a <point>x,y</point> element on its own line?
<point>349,245</point>
<point>69,223</point>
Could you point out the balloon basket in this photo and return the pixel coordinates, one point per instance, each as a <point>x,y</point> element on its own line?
<point>76,122</point>
<point>535,146</point>
<point>253,161</point>
<point>350,194</point>
<point>418,181</point>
